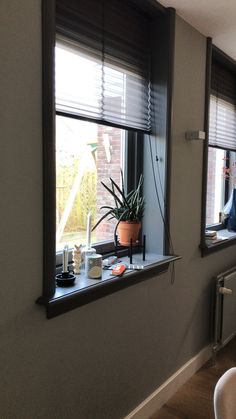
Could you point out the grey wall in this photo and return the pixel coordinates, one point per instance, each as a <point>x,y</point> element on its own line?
<point>101,360</point>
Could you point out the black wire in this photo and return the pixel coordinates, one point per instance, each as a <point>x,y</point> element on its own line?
<point>159,176</point>
<point>166,227</point>
<point>155,182</point>
<point>172,276</point>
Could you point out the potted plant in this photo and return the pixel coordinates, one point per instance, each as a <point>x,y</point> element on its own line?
<point>128,210</point>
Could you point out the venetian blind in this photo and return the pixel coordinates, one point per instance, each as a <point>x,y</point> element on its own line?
<point>222,128</point>
<point>103,62</point>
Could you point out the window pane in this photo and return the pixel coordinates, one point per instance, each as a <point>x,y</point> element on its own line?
<point>73,94</point>
<point>232,171</point>
<point>215,185</point>
<point>88,87</point>
<point>86,154</point>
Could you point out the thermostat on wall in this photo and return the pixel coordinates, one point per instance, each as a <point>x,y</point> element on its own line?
<point>195,135</point>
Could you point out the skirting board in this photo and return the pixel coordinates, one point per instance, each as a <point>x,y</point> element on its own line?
<point>163,393</point>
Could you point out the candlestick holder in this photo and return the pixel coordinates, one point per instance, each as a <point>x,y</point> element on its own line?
<point>65,279</point>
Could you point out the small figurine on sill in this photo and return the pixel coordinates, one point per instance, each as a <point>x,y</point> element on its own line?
<point>77,259</point>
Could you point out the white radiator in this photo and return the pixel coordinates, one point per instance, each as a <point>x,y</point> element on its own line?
<point>225,308</point>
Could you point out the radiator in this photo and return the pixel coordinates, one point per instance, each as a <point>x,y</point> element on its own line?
<point>225,308</point>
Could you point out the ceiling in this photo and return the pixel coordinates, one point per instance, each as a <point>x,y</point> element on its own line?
<point>214,18</point>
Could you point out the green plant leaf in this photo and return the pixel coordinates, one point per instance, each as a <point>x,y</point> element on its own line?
<point>106,207</point>
<point>112,193</point>
<point>120,191</point>
<point>102,218</point>
<point>122,181</point>
<point>114,196</point>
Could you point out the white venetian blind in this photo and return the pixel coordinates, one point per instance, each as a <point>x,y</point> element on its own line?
<point>103,62</point>
<point>222,129</point>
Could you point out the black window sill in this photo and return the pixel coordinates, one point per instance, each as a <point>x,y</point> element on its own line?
<point>86,290</point>
<point>226,239</point>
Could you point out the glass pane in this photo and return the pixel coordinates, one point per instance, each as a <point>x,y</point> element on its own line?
<point>78,82</point>
<point>232,171</point>
<point>88,87</point>
<point>215,185</point>
<point>86,154</point>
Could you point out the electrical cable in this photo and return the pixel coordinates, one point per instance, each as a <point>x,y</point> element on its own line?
<point>164,201</point>
<point>158,199</point>
<point>160,182</point>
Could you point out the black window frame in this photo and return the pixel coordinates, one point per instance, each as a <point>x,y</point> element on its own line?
<point>164,33</point>
<point>212,54</point>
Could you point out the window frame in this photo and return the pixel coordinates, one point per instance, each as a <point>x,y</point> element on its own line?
<point>212,53</point>
<point>133,144</point>
<point>164,32</point>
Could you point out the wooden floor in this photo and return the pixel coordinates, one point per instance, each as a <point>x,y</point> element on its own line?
<point>194,400</point>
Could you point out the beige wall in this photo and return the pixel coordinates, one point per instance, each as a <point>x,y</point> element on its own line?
<point>99,361</point>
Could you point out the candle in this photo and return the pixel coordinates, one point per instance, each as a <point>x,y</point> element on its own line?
<point>65,259</point>
<point>89,231</point>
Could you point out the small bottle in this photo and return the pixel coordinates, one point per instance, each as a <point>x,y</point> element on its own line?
<point>84,253</point>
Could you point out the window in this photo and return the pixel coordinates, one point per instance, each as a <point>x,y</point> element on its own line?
<point>221,147</point>
<point>99,80</point>
<point>113,74</point>
<point>222,140</point>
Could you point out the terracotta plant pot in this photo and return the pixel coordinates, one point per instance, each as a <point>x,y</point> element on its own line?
<point>128,230</point>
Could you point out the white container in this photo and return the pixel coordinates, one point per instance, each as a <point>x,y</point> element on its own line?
<point>93,266</point>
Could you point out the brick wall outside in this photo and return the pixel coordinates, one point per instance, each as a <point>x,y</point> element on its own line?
<point>108,165</point>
